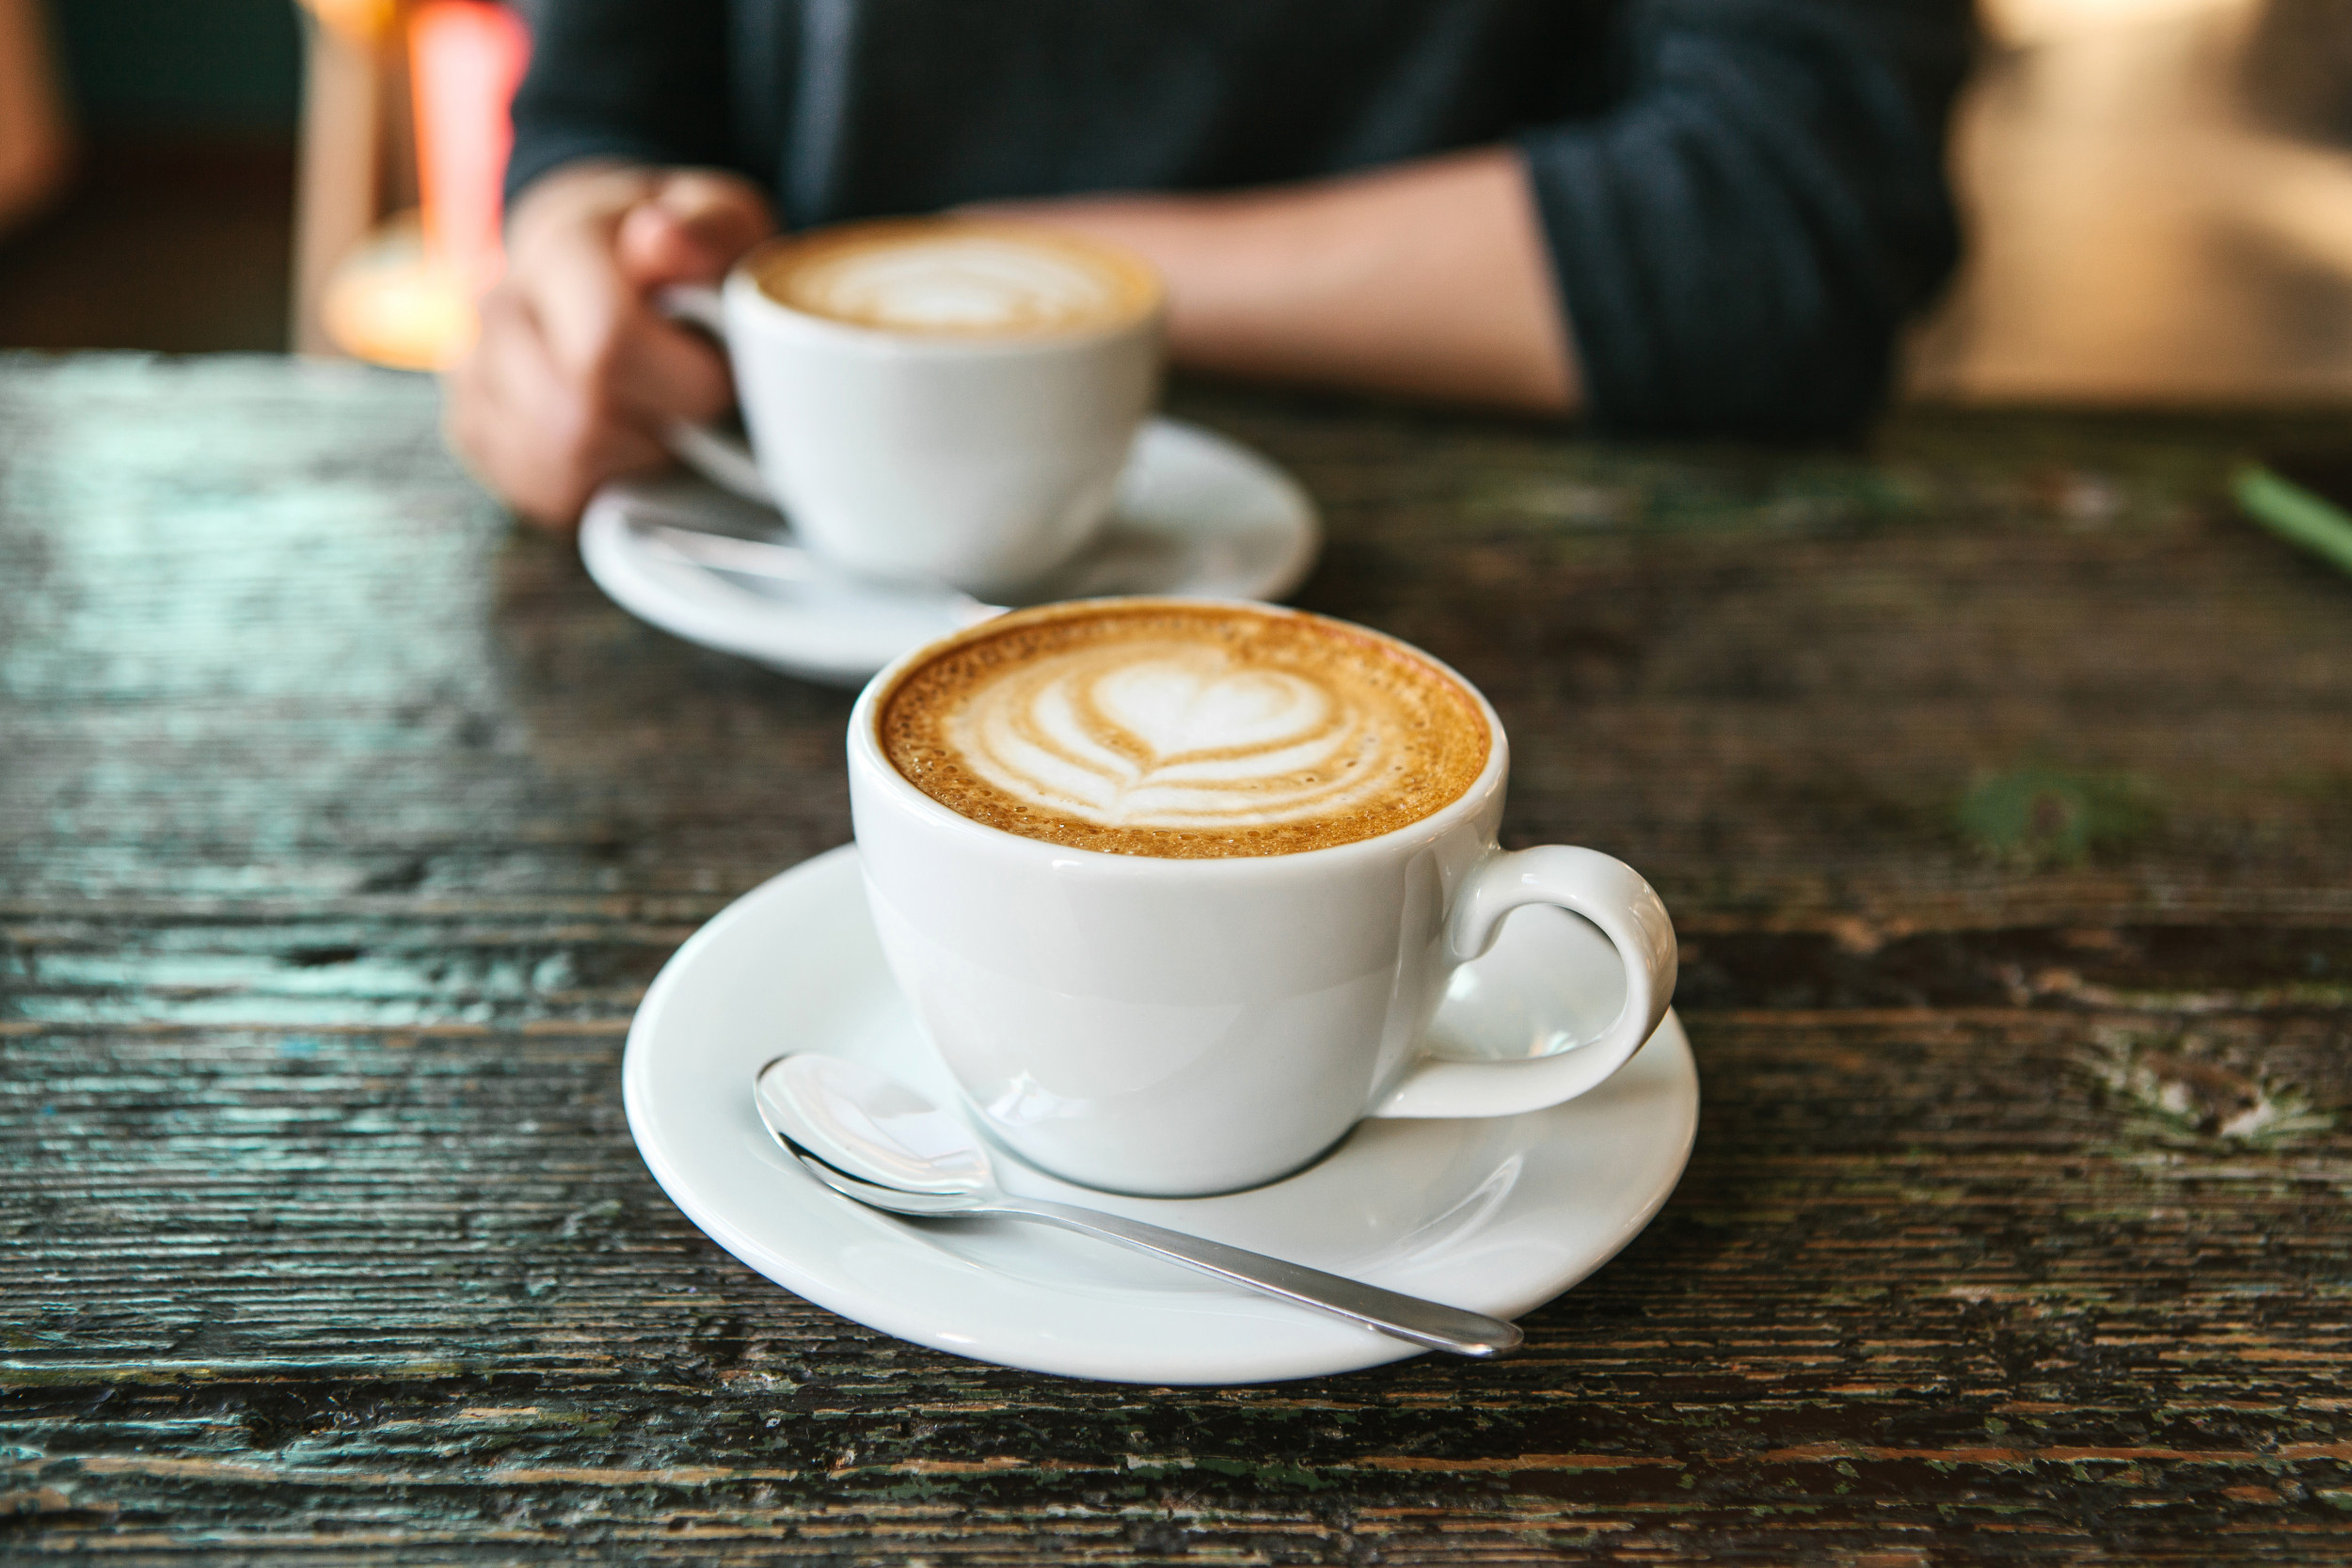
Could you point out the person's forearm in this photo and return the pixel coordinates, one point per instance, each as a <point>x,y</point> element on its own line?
<point>1428,278</point>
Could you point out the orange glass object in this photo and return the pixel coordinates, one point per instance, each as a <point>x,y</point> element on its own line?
<point>466,58</point>
<point>406,296</point>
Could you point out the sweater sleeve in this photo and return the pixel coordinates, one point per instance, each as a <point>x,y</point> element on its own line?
<point>622,79</point>
<point>1739,240</point>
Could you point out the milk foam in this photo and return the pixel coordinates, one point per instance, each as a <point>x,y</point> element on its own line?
<point>956,279</point>
<point>1184,731</point>
<point>1171,735</point>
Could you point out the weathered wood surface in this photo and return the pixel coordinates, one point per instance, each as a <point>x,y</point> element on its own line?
<point>2000,777</point>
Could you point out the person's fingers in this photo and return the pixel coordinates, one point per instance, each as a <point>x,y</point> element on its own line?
<point>468,418</point>
<point>690,229</point>
<point>601,331</point>
<point>482,424</point>
<point>575,374</point>
<point>572,436</point>
<point>666,371</point>
<point>578,297</point>
<point>535,435</point>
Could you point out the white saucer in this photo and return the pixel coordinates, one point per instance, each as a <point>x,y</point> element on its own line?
<point>1197,514</point>
<point>1497,1215</point>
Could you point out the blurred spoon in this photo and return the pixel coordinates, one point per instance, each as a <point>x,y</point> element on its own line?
<point>776,563</point>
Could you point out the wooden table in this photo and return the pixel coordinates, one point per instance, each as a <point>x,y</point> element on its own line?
<point>2000,777</point>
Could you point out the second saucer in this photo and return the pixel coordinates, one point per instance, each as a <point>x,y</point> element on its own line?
<point>1198,514</point>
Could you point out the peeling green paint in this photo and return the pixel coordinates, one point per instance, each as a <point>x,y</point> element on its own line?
<point>2038,816</point>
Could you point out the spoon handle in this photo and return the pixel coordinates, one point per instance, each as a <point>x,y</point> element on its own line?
<point>1424,1323</point>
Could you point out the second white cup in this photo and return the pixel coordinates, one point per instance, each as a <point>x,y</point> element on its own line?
<point>908,450</point>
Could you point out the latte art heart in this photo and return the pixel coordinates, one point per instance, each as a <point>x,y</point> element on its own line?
<point>1170,736</point>
<point>1190,700</point>
<point>1166,731</point>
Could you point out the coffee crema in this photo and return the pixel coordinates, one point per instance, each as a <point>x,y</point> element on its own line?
<point>1183,730</point>
<point>956,277</point>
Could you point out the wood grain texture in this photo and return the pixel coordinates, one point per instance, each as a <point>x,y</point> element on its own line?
<point>1999,778</point>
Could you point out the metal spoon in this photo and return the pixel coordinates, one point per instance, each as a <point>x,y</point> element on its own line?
<point>871,1138</point>
<point>777,563</point>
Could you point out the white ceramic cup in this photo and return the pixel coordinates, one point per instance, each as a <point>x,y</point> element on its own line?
<point>1179,1027</point>
<point>977,461</point>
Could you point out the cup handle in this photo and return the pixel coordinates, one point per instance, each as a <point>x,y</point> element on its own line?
<point>1603,890</point>
<point>725,459</point>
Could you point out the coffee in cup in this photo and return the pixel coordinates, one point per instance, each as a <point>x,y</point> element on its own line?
<point>932,400</point>
<point>958,279</point>
<point>1175,886</point>
<point>1184,731</point>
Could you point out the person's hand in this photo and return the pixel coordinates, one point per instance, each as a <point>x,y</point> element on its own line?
<point>573,375</point>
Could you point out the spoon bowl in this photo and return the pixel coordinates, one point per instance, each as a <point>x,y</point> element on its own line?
<point>869,1125</point>
<point>874,1140</point>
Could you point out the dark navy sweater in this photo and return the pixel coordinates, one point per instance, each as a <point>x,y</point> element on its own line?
<point>1743,198</point>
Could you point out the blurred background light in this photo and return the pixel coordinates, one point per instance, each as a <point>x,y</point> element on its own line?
<point>2159,212</point>
<point>2160,191</point>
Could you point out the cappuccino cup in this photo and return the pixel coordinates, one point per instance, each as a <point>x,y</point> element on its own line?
<point>932,400</point>
<point>1175,886</point>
